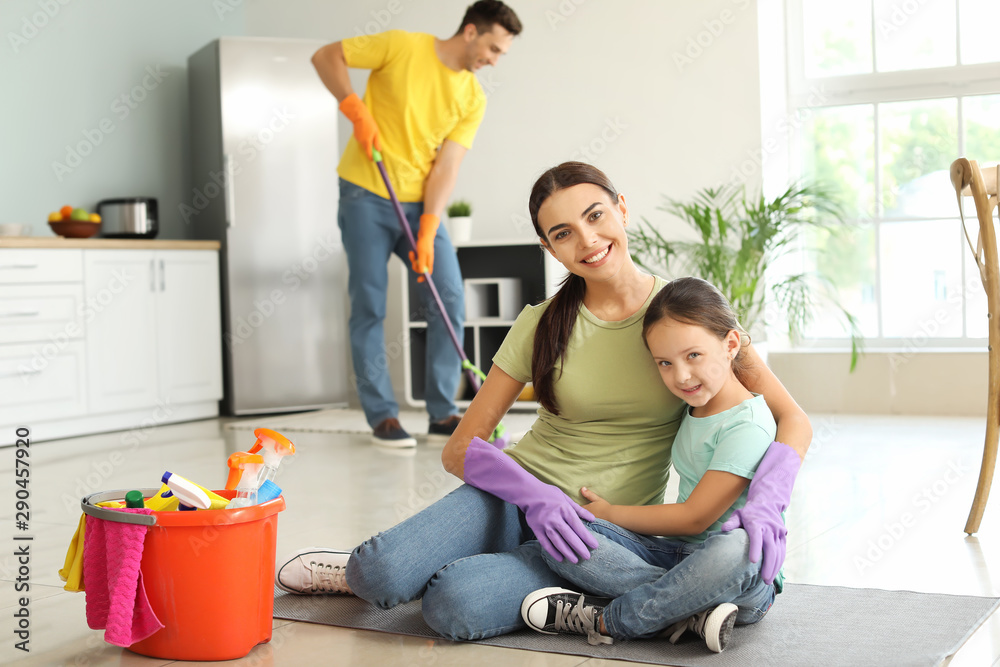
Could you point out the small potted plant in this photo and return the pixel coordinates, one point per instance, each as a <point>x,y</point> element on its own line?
<point>460,221</point>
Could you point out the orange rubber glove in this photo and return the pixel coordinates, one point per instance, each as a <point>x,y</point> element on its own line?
<point>423,259</point>
<point>365,129</point>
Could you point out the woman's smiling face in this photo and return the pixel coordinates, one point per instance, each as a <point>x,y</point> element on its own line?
<point>584,229</point>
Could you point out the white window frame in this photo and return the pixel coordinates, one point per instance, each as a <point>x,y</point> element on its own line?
<point>782,20</point>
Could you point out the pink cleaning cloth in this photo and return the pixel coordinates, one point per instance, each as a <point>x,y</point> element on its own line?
<point>116,598</point>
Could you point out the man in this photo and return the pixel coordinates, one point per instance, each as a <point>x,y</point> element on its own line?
<point>421,109</point>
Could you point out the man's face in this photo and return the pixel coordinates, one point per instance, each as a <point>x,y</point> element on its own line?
<point>485,48</point>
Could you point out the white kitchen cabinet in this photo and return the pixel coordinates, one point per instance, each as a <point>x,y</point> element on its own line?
<point>156,334</point>
<point>29,266</point>
<point>42,358</point>
<point>41,312</point>
<point>92,338</point>
<point>188,316</point>
<point>41,381</point>
<point>489,270</point>
<point>120,292</point>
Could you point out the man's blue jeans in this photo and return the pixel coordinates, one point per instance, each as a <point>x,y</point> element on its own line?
<point>468,556</point>
<point>371,234</point>
<point>657,581</point>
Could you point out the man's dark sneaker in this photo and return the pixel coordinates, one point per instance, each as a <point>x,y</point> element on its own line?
<point>390,433</point>
<point>442,430</point>
<point>715,626</point>
<point>556,610</point>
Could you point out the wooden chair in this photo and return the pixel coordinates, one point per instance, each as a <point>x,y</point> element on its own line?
<point>981,185</point>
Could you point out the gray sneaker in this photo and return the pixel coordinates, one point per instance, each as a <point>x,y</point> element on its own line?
<point>556,610</point>
<point>715,626</point>
<point>314,571</point>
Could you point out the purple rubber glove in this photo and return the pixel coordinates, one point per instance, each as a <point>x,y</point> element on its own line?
<point>551,514</point>
<point>769,495</point>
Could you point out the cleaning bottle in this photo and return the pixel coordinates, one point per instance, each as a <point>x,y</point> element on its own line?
<point>134,500</point>
<point>188,494</point>
<point>273,447</point>
<point>163,500</point>
<point>267,491</point>
<point>244,469</point>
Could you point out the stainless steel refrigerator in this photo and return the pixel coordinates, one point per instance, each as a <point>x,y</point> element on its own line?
<point>264,159</point>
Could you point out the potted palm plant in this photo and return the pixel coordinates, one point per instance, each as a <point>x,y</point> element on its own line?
<point>737,239</point>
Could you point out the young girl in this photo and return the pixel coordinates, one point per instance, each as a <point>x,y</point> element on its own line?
<point>690,580</point>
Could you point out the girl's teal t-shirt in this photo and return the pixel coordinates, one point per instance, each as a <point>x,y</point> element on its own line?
<point>734,441</point>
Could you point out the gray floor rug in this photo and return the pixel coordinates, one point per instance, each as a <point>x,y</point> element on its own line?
<point>808,625</point>
<point>346,420</point>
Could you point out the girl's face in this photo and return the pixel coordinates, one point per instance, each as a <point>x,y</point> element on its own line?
<point>693,363</point>
<point>584,229</point>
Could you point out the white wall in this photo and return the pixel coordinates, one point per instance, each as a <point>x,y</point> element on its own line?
<point>68,135</point>
<point>900,382</point>
<point>597,76</point>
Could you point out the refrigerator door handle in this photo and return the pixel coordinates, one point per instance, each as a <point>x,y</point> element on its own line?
<point>227,165</point>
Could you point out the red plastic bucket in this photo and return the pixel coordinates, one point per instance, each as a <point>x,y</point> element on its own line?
<point>209,577</point>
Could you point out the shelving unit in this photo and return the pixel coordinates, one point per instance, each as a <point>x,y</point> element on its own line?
<point>511,265</point>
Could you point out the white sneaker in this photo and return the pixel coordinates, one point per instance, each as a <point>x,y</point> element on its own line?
<point>314,571</point>
<point>713,625</point>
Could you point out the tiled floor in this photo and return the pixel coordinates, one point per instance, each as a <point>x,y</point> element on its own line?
<point>881,502</point>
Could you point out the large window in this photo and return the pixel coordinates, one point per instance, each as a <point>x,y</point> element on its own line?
<point>887,94</point>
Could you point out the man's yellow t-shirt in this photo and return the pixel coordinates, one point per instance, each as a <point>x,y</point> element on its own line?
<point>417,102</point>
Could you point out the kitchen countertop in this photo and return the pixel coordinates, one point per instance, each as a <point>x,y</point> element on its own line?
<point>100,243</point>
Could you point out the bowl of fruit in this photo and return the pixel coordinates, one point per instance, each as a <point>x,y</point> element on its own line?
<point>74,223</point>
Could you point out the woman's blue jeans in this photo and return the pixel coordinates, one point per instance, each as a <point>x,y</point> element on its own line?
<point>371,234</point>
<point>472,559</point>
<point>657,581</point>
<point>468,556</point>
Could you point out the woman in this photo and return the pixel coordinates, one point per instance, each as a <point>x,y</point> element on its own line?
<point>605,417</point>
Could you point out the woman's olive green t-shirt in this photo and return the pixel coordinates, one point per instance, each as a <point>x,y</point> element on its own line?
<point>616,421</point>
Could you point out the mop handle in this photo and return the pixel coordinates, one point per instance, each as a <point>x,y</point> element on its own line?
<point>377,157</point>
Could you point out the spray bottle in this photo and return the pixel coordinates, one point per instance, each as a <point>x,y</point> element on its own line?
<point>273,447</point>
<point>189,495</point>
<point>244,469</point>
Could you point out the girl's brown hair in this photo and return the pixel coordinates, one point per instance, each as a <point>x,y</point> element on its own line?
<point>556,324</point>
<point>699,302</point>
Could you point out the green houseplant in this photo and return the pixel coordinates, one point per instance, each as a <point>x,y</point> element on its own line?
<point>737,238</point>
<point>459,209</point>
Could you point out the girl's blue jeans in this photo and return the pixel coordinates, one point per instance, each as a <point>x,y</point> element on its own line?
<point>472,559</point>
<point>657,581</point>
<point>371,234</point>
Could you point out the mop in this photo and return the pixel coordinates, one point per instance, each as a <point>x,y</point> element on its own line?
<point>476,376</point>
